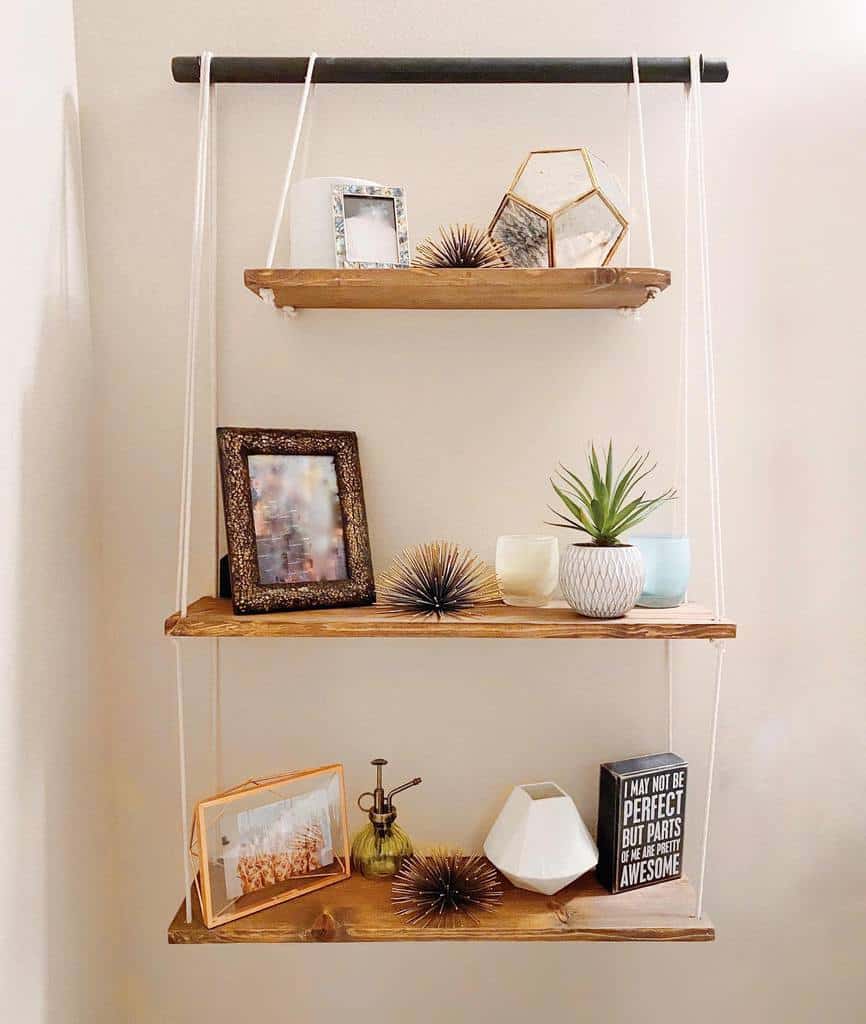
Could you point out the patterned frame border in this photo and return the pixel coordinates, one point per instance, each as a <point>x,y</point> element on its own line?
<point>395,192</point>
<point>250,596</point>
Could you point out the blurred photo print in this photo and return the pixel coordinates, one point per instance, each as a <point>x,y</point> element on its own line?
<point>297,517</point>
<point>371,229</point>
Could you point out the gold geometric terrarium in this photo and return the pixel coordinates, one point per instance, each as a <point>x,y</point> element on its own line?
<point>564,209</point>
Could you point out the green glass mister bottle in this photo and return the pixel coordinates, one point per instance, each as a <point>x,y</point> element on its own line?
<point>379,848</point>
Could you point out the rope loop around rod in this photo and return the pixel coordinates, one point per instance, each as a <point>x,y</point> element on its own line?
<point>709,350</point>
<point>290,165</point>
<point>712,460</point>
<point>643,171</point>
<point>193,324</point>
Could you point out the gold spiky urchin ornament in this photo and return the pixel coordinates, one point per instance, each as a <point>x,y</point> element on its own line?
<point>461,245</point>
<point>445,888</point>
<point>438,579</point>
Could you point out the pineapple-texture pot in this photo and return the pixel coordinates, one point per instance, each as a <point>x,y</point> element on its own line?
<point>601,582</point>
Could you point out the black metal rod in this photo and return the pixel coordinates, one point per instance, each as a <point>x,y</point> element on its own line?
<point>429,70</point>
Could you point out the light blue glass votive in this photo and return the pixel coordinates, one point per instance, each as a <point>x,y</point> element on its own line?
<point>667,564</point>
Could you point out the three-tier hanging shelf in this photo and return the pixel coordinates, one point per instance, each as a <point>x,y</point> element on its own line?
<point>359,910</point>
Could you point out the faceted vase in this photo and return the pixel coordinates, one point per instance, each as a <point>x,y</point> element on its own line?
<point>601,582</point>
<point>539,841</point>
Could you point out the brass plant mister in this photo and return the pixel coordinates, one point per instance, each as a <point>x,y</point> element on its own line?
<point>379,848</point>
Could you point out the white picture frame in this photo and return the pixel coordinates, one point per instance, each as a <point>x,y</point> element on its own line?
<point>370,226</point>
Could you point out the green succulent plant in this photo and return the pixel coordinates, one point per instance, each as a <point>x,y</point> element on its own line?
<point>604,510</point>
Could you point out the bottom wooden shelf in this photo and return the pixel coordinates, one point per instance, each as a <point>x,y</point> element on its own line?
<point>358,910</point>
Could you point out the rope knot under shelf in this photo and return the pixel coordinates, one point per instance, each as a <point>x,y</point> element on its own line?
<point>267,296</point>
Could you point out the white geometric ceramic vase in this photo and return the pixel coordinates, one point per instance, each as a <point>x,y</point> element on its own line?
<point>601,582</point>
<point>539,841</point>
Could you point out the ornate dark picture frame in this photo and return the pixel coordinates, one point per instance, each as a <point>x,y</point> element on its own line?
<point>249,594</point>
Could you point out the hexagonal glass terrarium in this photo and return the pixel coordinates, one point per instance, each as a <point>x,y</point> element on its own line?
<point>564,208</point>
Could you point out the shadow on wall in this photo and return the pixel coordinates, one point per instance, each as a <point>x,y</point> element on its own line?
<point>61,721</point>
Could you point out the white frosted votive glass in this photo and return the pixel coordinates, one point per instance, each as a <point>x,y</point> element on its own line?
<point>527,569</point>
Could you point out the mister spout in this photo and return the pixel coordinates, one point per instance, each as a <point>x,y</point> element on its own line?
<point>399,789</point>
<point>380,808</point>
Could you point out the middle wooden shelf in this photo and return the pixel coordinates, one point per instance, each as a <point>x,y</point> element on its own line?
<point>463,288</point>
<point>213,617</point>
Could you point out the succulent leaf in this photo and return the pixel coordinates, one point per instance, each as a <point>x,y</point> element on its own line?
<point>604,508</point>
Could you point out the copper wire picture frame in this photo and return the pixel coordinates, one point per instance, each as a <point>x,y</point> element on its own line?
<point>296,524</point>
<point>268,841</point>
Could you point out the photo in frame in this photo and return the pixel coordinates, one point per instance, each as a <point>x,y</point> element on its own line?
<point>268,841</point>
<point>370,226</point>
<point>295,520</point>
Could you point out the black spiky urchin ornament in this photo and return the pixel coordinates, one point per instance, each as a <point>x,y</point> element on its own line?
<point>436,579</point>
<point>461,245</point>
<point>445,889</point>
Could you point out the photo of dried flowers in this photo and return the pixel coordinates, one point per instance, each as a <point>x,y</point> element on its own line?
<point>277,842</point>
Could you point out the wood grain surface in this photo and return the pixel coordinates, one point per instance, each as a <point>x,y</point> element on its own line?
<point>416,288</point>
<point>359,910</point>
<point>211,616</point>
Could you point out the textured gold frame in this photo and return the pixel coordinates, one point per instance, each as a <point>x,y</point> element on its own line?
<point>511,196</point>
<point>249,595</point>
<point>198,852</point>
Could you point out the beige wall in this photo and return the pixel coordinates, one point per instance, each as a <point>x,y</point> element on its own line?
<point>56,886</point>
<point>460,418</point>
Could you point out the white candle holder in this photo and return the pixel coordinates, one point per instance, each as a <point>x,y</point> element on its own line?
<point>527,569</point>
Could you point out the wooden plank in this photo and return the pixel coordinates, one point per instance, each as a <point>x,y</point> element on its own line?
<point>211,617</point>
<point>359,910</point>
<point>416,288</point>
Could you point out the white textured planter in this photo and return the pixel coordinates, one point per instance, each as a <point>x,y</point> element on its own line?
<point>539,841</point>
<point>602,583</point>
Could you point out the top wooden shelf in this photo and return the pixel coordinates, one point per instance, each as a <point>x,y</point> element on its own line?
<point>213,617</point>
<point>415,288</point>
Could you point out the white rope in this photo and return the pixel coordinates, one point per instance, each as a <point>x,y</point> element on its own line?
<point>192,334</point>
<point>669,665</point>
<point>628,199</point>
<point>213,338</point>
<point>709,354</point>
<point>184,813</point>
<point>644,182</point>
<point>720,656</point>
<point>713,456</point>
<point>682,425</point>
<point>290,166</point>
<point>682,432</point>
<point>631,313</point>
<point>308,131</point>
<point>204,216</point>
<point>216,732</point>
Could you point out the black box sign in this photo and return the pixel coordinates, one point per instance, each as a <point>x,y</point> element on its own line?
<point>641,821</point>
